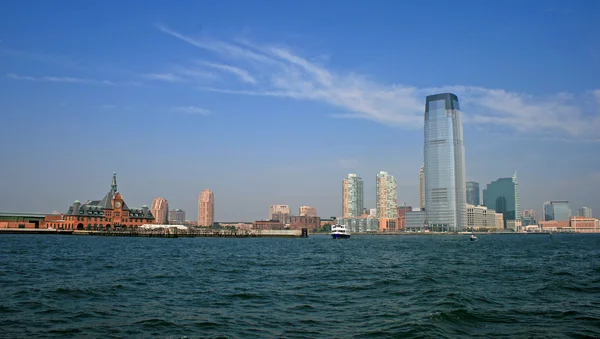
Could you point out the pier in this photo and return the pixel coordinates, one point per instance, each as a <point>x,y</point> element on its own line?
<point>194,233</point>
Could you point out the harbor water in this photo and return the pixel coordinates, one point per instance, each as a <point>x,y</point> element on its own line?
<point>418,286</point>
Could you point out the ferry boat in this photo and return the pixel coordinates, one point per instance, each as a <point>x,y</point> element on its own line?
<point>340,231</point>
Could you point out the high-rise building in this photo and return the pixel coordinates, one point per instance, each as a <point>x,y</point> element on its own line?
<point>206,208</point>
<point>473,193</point>
<point>160,211</point>
<point>352,196</point>
<point>529,217</point>
<point>307,211</point>
<point>176,216</point>
<point>585,212</point>
<point>444,153</point>
<point>422,186</point>
<point>502,196</point>
<point>557,210</point>
<point>387,195</point>
<point>280,213</point>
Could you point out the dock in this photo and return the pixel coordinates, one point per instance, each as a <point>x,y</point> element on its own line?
<point>168,233</point>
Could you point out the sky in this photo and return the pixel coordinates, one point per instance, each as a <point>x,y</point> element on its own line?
<point>275,102</point>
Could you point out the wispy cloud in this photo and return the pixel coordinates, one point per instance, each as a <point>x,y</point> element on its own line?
<point>191,110</point>
<point>170,77</point>
<point>59,79</point>
<point>290,75</point>
<point>242,74</point>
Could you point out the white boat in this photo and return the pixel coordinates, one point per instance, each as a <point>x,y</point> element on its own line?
<point>340,231</point>
<point>473,237</point>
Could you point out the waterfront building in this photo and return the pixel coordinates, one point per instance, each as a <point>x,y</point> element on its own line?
<point>108,213</point>
<point>386,201</point>
<point>267,225</point>
<point>176,216</point>
<point>160,211</point>
<point>352,196</point>
<point>373,212</point>
<point>33,220</point>
<point>585,225</point>
<point>365,224</point>
<point>473,193</point>
<point>400,216</point>
<point>502,196</point>
<point>444,153</point>
<point>415,220</point>
<point>585,212</point>
<point>298,222</point>
<point>280,212</point>
<point>307,211</point>
<point>529,217</point>
<point>480,217</point>
<point>206,208</point>
<point>499,220</point>
<point>557,210</point>
<point>422,186</point>
<point>514,225</point>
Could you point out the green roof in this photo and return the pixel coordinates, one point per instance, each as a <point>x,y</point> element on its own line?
<point>24,215</point>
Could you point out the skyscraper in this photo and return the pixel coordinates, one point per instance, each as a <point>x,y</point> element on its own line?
<point>473,193</point>
<point>557,210</point>
<point>176,216</point>
<point>444,153</point>
<point>422,186</point>
<point>206,208</point>
<point>352,196</point>
<point>585,212</point>
<point>387,195</point>
<point>280,213</point>
<point>502,196</point>
<point>160,210</point>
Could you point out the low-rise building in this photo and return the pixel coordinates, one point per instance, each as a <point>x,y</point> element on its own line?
<point>267,225</point>
<point>415,220</point>
<point>481,217</point>
<point>585,225</point>
<point>298,222</point>
<point>365,224</point>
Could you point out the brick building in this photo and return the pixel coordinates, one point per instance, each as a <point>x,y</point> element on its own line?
<point>298,222</point>
<point>267,225</point>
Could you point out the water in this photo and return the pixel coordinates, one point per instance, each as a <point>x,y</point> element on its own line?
<point>527,286</point>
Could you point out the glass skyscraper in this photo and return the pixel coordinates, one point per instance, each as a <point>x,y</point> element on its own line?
<point>444,153</point>
<point>473,193</point>
<point>557,210</point>
<point>502,195</point>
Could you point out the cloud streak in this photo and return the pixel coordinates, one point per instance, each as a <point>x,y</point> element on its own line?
<point>289,75</point>
<point>59,79</point>
<point>191,110</point>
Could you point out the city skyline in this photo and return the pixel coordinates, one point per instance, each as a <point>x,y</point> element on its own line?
<point>161,79</point>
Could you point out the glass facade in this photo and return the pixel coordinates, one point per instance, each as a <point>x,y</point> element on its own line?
<point>502,195</point>
<point>444,153</point>
<point>560,210</point>
<point>473,193</point>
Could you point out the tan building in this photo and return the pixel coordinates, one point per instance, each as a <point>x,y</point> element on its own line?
<point>482,217</point>
<point>388,224</point>
<point>280,212</point>
<point>160,211</point>
<point>585,225</point>
<point>206,208</point>
<point>307,211</point>
<point>499,220</point>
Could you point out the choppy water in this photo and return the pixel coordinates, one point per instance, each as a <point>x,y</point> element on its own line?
<point>530,286</point>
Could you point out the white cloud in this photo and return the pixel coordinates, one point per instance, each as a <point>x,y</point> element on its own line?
<point>242,74</point>
<point>170,77</point>
<point>561,115</point>
<point>191,110</point>
<point>59,79</point>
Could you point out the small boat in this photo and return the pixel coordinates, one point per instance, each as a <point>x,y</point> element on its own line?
<point>340,231</point>
<point>473,237</point>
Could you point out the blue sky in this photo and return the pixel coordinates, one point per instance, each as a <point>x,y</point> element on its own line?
<point>274,102</point>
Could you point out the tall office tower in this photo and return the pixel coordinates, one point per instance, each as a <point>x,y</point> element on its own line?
<point>444,152</point>
<point>352,196</point>
<point>206,208</point>
<point>557,210</point>
<point>160,211</point>
<point>422,185</point>
<point>585,212</point>
<point>387,195</point>
<point>473,193</point>
<point>176,216</point>
<point>502,196</point>
<point>280,213</point>
<point>307,211</point>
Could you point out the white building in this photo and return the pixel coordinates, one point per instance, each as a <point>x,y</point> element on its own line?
<point>481,217</point>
